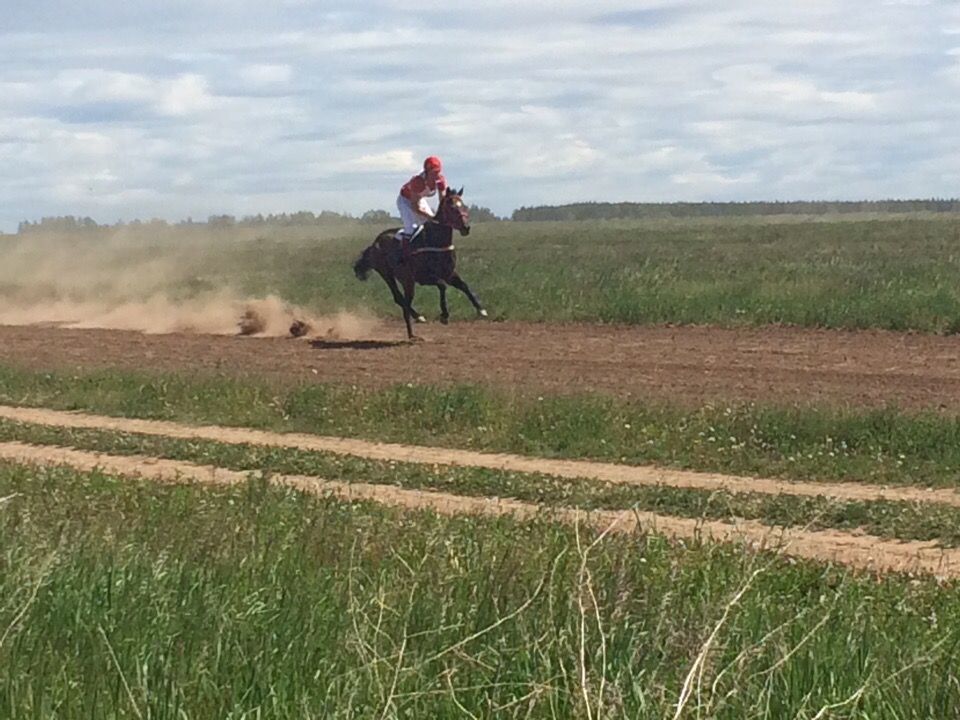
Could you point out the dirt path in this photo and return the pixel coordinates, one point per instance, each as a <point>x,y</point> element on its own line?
<point>859,551</point>
<point>573,469</point>
<point>687,365</point>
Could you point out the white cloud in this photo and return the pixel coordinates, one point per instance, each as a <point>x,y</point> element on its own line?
<point>708,183</point>
<point>952,71</point>
<point>85,144</point>
<point>392,160</point>
<point>762,87</point>
<point>567,154</point>
<point>813,36</point>
<point>125,109</point>
<point>266,75</point>
<point>101,86</point>
<point>184,95</point>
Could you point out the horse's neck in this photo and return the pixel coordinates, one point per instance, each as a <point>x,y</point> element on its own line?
<point>439,235</point>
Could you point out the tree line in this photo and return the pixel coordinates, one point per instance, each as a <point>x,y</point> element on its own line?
<point>571,212</point>
<point>629,210</point>
<point>303,218</point>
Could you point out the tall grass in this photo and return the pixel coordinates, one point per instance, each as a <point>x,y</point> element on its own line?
<point>895,272</point>
<point>124,600</point>
<point>890,273</point>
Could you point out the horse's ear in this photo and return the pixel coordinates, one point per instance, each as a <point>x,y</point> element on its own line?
<point>460,191</point>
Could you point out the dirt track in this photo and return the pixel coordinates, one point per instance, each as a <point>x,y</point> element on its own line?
<point>690,365</point>
<point>571,469</point>
<point>859,551</point>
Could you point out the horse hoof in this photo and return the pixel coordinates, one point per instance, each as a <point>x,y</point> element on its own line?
<point>444,319</point>
<point>421,319</point>
<point>483,313</point>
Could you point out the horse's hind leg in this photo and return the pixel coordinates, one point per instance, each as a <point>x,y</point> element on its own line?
<point>460,285</point>
<point>391,282</point>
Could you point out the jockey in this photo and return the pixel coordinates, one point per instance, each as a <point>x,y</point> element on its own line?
<point>412,200</point>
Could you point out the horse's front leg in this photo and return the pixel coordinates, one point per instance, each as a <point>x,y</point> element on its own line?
<point>398,298</point>
<point>460,285</point>
<point>408,288</point>
<point>444,312</point>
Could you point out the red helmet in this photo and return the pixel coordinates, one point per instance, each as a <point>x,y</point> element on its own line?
<point>432,163</point>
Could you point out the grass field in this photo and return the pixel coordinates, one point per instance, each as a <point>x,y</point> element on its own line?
<point>885,271</point>
<point>125,599</point>
<point>132,600</point>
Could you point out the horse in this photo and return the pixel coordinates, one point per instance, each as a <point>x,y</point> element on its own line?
<point>431,260</point>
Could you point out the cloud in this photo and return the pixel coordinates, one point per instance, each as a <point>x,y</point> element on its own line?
<point>392,160</point>
<point>124,109</point>
<point>792,96</point>
<point>952,71</point>
<point>185,95</point>
<point>266,74</point>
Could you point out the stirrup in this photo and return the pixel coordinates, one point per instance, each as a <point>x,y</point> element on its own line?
<point>401,233</point>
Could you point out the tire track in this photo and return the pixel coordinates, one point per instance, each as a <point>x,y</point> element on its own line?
<point>864,552</point>
<point>567,469</point>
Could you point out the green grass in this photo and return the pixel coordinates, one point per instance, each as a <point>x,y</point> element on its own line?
<point>133,600</point>
<point>892,273</point>
<point>878,446</point>
<point>895,272</point>
<point>899,520</point>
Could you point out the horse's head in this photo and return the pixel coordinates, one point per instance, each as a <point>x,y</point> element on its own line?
<point>453,212</point>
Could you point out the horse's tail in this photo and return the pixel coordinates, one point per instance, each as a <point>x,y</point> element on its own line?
<point>363,266</point>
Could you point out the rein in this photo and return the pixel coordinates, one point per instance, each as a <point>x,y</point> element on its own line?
<point>433,249</point>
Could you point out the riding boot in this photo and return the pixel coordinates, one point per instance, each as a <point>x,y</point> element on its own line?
<point>404,249</point>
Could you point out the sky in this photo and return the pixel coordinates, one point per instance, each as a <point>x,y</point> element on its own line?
<point>123,109</point>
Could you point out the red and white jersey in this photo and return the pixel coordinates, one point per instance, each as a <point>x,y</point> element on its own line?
<point>418,188</point>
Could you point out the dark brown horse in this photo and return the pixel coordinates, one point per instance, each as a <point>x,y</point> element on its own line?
<point>431,259</point>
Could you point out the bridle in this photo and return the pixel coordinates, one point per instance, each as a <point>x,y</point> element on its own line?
<point>447,206</point>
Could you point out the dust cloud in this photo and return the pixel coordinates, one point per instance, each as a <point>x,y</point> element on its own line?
<point>156,283</point>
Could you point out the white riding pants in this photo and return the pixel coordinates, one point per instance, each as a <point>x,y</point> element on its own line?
<point>411,219</point>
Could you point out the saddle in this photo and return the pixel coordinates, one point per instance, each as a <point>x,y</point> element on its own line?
<point>405,242</point>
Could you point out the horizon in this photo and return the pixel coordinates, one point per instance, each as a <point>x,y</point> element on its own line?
<point>248,217</point>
